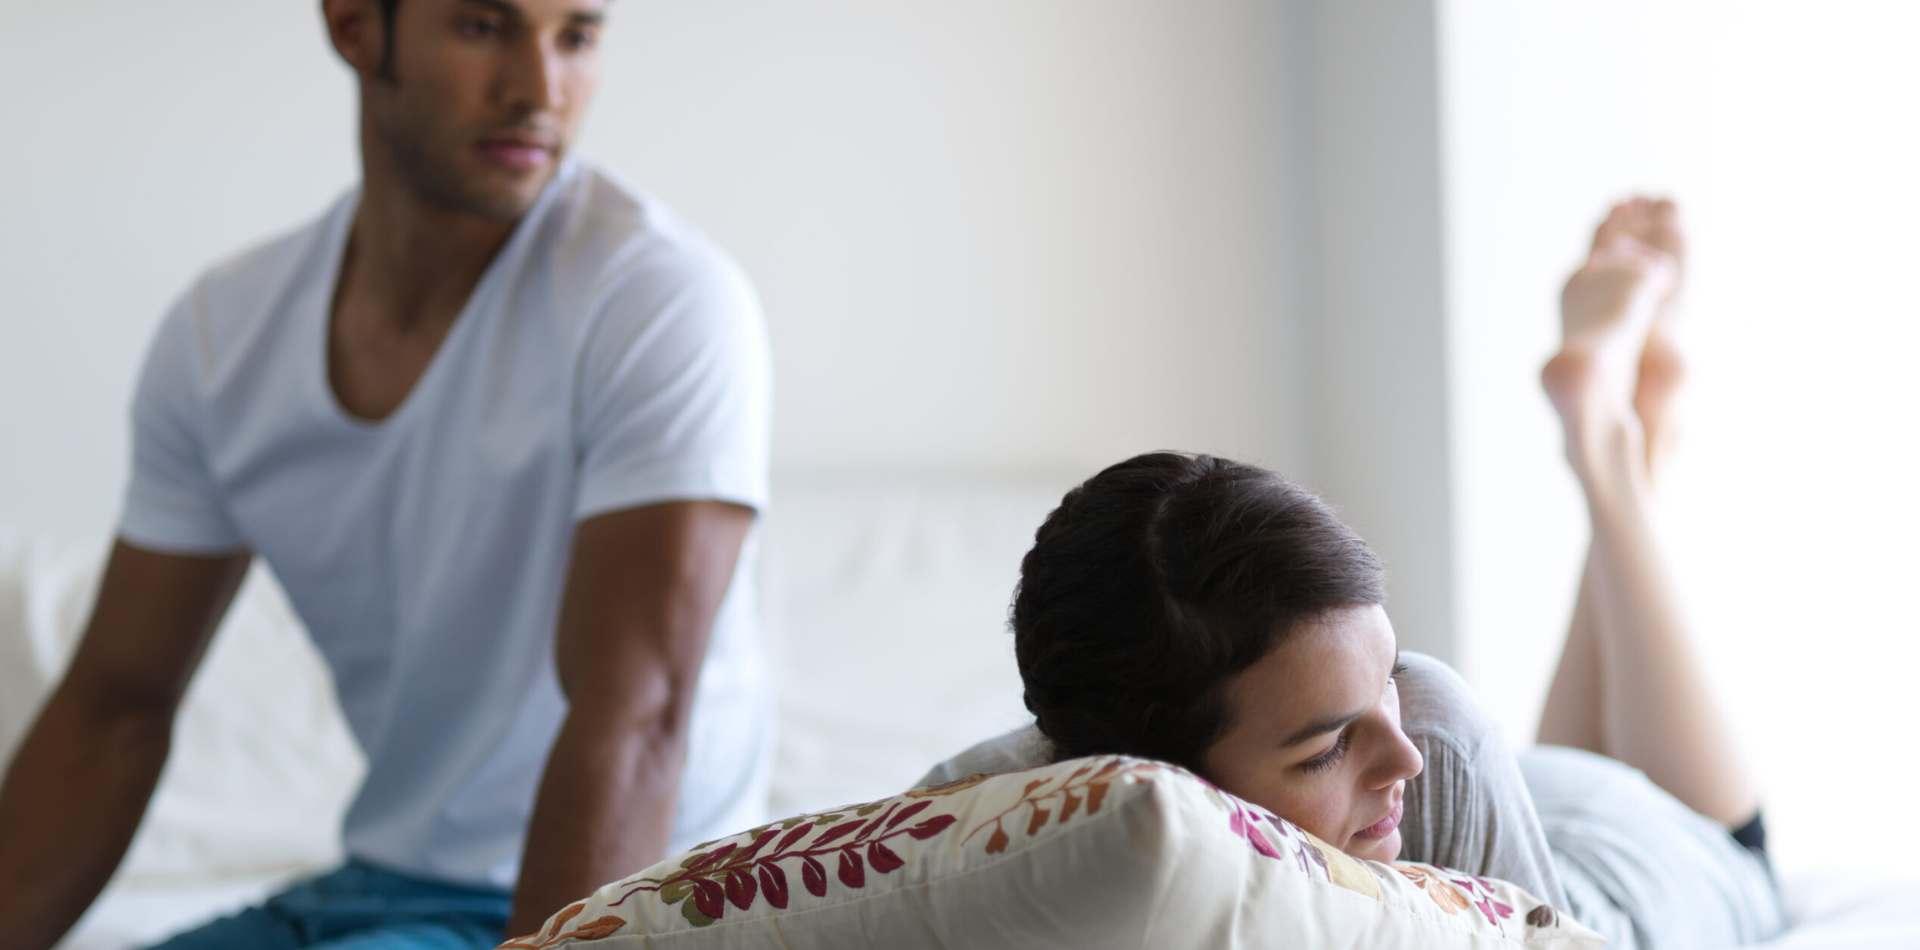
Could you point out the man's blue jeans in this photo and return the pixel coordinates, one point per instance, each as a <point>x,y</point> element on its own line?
<point>360,907</point>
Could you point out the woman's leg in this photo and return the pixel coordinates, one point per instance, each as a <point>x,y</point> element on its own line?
<point>1572,714</point>
<point>1470,807</point>
<point>1571,717</point>
<point>1630,684</point>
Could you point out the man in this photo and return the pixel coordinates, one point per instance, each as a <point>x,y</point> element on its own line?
<point>499,426</point>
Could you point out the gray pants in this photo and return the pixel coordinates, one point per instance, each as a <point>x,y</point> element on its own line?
<point>1581,831</point>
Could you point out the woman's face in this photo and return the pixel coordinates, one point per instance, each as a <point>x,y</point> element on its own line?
<point>1314,733</point>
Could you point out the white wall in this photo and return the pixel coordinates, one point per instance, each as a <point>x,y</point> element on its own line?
<point>1546,125</point>
<point>995,236</point>
<point>1790,509</point>
<point>1377,401</point>
<point>142,145</point>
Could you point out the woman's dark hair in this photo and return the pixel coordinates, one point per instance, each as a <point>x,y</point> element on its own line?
<point>1157,580</point>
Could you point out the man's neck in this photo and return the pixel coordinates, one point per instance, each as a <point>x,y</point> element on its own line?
<point>411,261</point>
<point>409,266</point>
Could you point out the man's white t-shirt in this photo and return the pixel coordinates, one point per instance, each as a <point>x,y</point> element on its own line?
<point>610,357</point>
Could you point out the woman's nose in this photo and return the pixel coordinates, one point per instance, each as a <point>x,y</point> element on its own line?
<point>1399,759</point>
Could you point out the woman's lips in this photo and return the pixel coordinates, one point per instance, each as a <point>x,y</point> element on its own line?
<point>1384,826</point>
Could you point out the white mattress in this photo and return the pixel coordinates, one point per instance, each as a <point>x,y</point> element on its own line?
<point>1829,911</point>
<point>134,914</point>
<point>1851,911</point>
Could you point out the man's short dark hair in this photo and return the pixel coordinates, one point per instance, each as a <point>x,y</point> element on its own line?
<point>1156,581</point>
<point>387,10</point>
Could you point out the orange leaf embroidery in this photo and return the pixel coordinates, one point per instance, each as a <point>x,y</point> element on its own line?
<point>1039,820</point>
<point>560,919</point>
<point>1072,805</point>
<point>604,927</point>
<point>1096,793</point>
<point>599,929</point>
<point>997,842</point>
<point>1446,895</point>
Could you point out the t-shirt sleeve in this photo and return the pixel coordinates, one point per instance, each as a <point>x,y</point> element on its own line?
<point>673,398</point>
<point>173,504</point>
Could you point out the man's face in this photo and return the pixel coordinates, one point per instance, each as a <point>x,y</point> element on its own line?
<point>481,98</point>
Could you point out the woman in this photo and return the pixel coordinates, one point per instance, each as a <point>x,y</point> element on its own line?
<point>1215,615</point>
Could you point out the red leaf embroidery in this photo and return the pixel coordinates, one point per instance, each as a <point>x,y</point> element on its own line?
<point>906,813</point>
<point>883,858</point>
<point>799,831</point>
<point>773,882</point>
<point>710,857</point>
<point>709,898</point>
<point>997,842</point>
<point>759,841</point>
<point>837,831</point>
<point>853,873</point>
<point>931,827</point>
<point>814,876</point>
<point>1039,820</point>
<point>741,888</point>
<point>1072,805</point>
<point>872,826</point>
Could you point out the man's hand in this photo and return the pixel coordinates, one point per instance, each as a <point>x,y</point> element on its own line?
<point>81,780</point>
<point>642,591</point>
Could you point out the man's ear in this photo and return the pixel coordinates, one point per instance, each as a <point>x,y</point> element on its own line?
<point>358,33</point>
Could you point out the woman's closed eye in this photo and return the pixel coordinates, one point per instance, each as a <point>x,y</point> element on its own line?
<point>1330,759</point>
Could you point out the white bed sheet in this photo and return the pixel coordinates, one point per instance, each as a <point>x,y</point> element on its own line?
<point>137,914</point>
<point>1850,911</point>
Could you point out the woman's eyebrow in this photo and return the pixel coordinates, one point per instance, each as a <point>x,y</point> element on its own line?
<point>1320,727</point>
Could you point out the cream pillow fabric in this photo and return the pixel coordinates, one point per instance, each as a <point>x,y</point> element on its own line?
<point>1098,852</point>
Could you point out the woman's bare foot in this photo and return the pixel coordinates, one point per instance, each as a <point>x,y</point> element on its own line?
<point>1663,367</point>
<point>1609,366</point>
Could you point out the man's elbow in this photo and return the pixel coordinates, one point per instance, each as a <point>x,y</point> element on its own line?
<point>644,715</point>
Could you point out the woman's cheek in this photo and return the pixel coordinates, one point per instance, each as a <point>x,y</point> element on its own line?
<point>1320,812</point>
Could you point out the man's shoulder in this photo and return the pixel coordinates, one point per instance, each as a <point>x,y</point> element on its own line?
<point>609,234</point>
<point>231,307</point>
<point>244,287</point>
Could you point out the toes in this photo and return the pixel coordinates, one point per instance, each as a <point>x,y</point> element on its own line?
<point>1615,226</point>
<point>1641,223</point>
<point>1664,230</point>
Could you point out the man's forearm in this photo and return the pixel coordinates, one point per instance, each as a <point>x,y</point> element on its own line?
<point>72,800</point>
<point>604,810</point>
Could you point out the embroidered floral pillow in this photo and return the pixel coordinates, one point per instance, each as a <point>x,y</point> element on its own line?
<point>1096,852</point>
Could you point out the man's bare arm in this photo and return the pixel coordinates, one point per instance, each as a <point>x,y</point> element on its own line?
<point>82,778</point>
<point>642,592</point>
